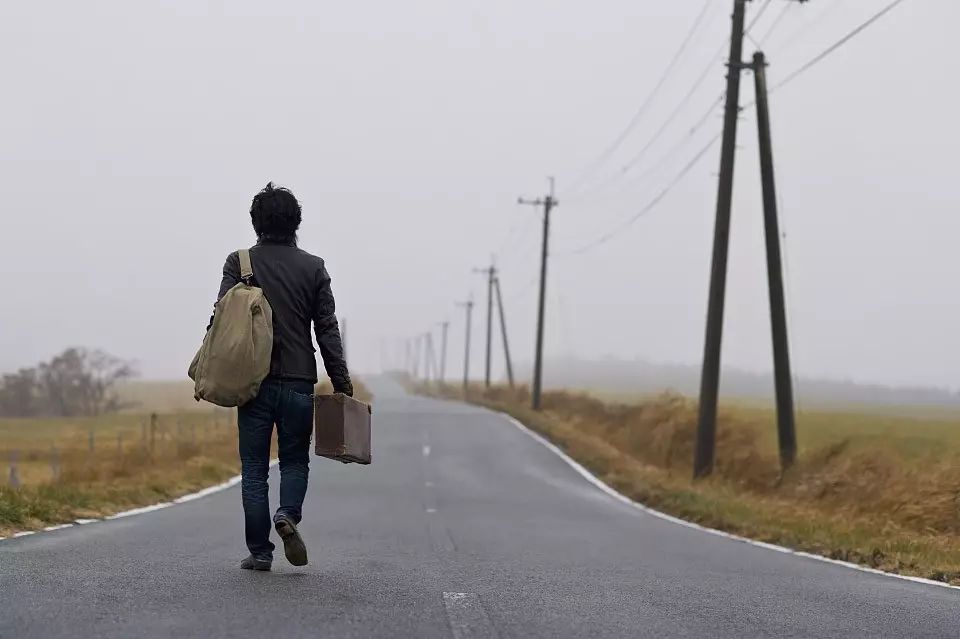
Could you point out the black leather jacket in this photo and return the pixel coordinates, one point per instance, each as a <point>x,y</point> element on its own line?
<point>297,286</point>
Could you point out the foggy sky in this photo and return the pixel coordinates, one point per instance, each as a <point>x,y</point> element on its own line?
<point>135,135</point>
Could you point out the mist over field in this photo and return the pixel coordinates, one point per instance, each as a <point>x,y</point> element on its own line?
<point>622,378</point>
<point>139,132</point>
<point>422,149</point>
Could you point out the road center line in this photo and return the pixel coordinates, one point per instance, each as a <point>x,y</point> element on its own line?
<point>426,450</point>
<point>468,619</point>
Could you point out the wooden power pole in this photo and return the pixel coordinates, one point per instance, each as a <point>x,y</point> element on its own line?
<point>786,429</point>
<point>710,378</point>
<point>503,331</point>
<point>444,326</point>
<point>491,273</point>
<point>548,202</point>
<point>468,306</point>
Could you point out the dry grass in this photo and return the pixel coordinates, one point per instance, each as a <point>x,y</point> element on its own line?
<point>882,491</point>
<point>134,459</point>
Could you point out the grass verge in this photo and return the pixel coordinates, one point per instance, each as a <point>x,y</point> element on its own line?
<point>58,470</point>
<point>882,492</point>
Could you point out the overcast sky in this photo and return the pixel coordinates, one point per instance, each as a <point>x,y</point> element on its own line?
<point>135,134</point>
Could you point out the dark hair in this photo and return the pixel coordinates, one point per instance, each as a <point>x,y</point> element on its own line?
<point>275,214</point>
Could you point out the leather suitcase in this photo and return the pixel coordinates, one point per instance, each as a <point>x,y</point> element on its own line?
<point>342,428</point>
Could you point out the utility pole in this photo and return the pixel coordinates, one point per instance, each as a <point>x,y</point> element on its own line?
<point>503,331</point>
<point>425,340</point>
<point>548,202</point>
<point>786,429</point>
<point>408,359</point>
<point>445,326</point>
<point>416,356</point>
<point>430,367</point>
<point>491,273</point>
<point>710,378</point>
<point>468,305</point>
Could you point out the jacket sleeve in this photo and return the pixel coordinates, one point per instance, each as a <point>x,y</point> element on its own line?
<point>328,335</point>
<point>231,277</point>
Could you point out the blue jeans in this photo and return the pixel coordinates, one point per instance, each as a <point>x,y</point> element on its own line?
<point>289,405</point>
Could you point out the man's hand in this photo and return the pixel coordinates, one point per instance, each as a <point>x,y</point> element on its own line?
<point>343,386</point>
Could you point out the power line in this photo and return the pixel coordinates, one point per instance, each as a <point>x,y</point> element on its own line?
<point>650,206</point>
<point>682,142</point>
<point>775,24</point>
<point>756,18</point>
<point>675,113</point>
<point>647,101</point>
<point>524,289</point>
<point>677,110</point>
<point>516,239</point>
<point>703,119</point>
<point>796,35</point>
<point>696,127</point>
<point>508,238</point>
<point>837,44</point>
<point>696,85</point>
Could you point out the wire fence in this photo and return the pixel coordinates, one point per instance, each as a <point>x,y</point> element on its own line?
<point>40,452</point>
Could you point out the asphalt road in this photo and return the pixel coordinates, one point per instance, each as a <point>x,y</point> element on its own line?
<point>464,526</point>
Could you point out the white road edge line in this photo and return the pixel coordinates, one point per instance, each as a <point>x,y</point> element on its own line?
<point>468,619</point>
<point>593,479</point>
<point>60,527</point>
<point>230,483</point>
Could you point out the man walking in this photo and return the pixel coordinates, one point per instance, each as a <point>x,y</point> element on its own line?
<point>297,286</point>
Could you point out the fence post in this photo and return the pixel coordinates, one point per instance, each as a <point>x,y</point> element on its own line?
<point>55,462</point>
<point>120,443</point>
<point>92,440</point>
<point>153,431</point>
<point>14,479</point>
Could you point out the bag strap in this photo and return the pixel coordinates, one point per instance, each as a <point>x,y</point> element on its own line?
<point>246,268</point>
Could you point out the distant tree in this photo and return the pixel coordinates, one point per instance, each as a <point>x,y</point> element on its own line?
<point>103,372</point>
<point>60,380</point>
<point>19,393</point>
<point>76,382</point>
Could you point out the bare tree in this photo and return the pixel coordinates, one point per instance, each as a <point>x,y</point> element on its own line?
<point>19,393</point>
<point>75,382</point>
<point>103,371</point>
<point>60,380</point>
